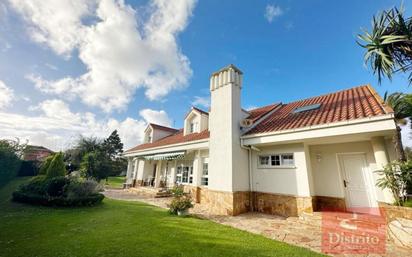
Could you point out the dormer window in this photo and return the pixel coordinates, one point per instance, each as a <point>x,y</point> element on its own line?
<point>149,139</point>
<point>195,121</point>
<point>193,127</point>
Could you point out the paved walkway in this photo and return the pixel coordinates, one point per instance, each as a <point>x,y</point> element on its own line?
<point>302,231</point>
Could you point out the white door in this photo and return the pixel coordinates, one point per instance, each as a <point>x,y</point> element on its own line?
<point>356,181</point>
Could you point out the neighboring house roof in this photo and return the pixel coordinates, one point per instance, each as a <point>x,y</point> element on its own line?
<point>33,152</point>
<point>172,139</point>
<point>155,126</point>
<point>354,103</point>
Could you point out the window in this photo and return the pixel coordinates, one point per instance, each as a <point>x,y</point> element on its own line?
<point>306,108</point>
<point>193,127</point>
<point>205,174</point>
<point>276,160</point>
<point>149,139</point>
<point>179,175</point>
<point>184,174</point>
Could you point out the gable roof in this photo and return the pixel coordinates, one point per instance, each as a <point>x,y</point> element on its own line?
<point>176,138</point>
<point>350,104</point>
<point>160,127</point>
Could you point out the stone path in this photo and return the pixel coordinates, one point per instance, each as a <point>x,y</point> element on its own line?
<point>302,231</point>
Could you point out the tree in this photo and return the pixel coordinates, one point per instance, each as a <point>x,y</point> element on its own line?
<point>402,109</point>
<point>56,167</point>
<point>83,146</point>
<point>113,145</point>
<point>10,154</point>
<point>95,165</point>
<point>389,44</point>
<point>46,164</point>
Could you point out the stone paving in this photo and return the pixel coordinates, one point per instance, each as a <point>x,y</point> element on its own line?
<point>304,231</point>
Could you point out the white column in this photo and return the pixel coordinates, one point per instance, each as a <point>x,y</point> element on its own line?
<point>381,158</point>
<point>129,168</point>
<point>173,167</point>
<point>140,170</point>
<point>158,173</point>
<point>136,162</point>
<point>197,168</point>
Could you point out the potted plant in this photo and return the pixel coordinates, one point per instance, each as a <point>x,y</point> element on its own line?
<point>181,202</point>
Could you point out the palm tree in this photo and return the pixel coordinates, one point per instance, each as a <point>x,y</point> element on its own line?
<point>389,44</point>
<point>401,105</point>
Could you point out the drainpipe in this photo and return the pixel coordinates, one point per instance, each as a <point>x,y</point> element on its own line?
<point>249,148</point>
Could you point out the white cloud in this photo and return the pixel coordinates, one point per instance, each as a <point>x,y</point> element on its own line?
<point>272,11</point>
<point>56,126</point>
<point>6,95</point>
<point>201,101</point>
<point>121,50</point>
<point>156,117</point>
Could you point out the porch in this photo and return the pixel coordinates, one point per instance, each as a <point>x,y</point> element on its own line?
<point>164,170</point>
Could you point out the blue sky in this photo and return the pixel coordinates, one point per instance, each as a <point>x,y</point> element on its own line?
<point>161,57</point>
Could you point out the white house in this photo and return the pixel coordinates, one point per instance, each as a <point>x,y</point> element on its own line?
<point>281,159</point>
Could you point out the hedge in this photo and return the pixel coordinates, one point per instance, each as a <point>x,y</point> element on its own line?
<point>37,199</point>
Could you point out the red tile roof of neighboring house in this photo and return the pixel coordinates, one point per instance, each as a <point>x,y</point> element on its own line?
<point>354,103</point>
<point>173,139</point>
<point>155,126</point>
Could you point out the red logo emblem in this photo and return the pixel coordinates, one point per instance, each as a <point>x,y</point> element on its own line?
<point>356,231</point>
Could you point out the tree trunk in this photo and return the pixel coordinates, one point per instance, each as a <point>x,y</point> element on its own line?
<point>397,141</point>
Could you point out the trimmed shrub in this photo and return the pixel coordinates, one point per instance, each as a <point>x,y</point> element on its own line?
<point>59,191</point>
<point>57,167</point>
<point>55,186</point>
<point>9,162</point>
<point>78,189</point>
<point>45,165</point>
<point>36,185</point>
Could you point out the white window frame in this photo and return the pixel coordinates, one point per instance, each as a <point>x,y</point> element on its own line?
<point>271,160</point>
<point>193,127</point>
<point>180,176</point>
<point>205,177</point>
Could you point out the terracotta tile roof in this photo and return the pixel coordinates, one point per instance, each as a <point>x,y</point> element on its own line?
<point>172,139</point>
<point>354,103</point>
<point>257,113</point>
<point>155,126</point>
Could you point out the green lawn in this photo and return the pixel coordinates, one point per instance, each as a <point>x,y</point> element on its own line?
<point>119,228</point>
<point>114,182</point>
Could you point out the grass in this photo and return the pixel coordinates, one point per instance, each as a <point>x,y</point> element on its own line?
<point>115,182</point>
<point>120,228</point>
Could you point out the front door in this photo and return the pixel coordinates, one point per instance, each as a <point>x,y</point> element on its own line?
<point>356,181</point>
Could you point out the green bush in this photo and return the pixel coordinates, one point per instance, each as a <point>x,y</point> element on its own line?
<point>9,161</point>
<point>78,189</point>
<point>30,198</point>
<point>36,185</point>
<point>56,167</point>
<point>59,191</point>
<point>56,186</point>
<point>45,165</point>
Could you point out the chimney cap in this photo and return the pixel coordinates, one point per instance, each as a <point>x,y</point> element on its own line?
<point>229,67</point>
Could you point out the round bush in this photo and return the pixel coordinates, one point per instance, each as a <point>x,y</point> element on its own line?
<point>59,191</point>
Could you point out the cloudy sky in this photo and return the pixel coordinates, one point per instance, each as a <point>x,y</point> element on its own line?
<point>72,67</point>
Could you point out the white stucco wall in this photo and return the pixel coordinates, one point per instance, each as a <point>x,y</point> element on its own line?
<point>327,180</point>
<point>289,181</point>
